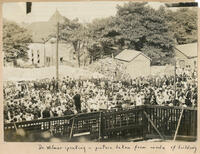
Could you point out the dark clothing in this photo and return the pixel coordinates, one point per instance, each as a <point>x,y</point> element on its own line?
<point>46,114</point>
<point>188,98</point>
<point>77,101</point>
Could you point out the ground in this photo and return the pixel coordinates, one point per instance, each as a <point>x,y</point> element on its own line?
<point>16,74</point>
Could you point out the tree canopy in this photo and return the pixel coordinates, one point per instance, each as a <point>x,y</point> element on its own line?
<point>102,37</point>
<point>135,26</point>
<point>145,29</point>
<point>15,41</point>
<point>183,24</point>
<point>74,32</point>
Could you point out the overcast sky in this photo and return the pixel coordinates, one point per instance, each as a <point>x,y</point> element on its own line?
<point>42,11</point>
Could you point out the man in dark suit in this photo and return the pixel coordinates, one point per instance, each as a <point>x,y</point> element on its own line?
<point>188,98</point>
<point>77,102</point>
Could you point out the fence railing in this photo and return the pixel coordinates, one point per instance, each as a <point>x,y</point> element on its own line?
<point>141,121</point>
<point>166,121</point>
<point>123,123</point>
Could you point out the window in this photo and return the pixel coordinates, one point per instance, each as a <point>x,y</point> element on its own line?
<point>61,59</point>
<point>38,61</point>
<point>38,53</point>
<point>195,63</point>
<point>182,63</point>
<point>32,53</point>
<point>48,60</point>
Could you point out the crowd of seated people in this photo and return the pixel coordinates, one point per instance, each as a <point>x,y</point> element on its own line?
<point>29,100</point>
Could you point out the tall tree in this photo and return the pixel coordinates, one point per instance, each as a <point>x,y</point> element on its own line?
<point>145,29</point>
<point>75,33</point>
<point>15,41</point>
<point>183,23</point>
<point>103,37</point>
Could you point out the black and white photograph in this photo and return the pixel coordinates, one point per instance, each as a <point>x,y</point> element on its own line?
<point>100,71</point>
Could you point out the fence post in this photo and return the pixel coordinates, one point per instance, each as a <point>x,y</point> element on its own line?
<point>100,125</point>
<point>154,126</point>
<point>179,121</point>
<point>71,132</point>
<point>145,122</point>
<point>193,129</point>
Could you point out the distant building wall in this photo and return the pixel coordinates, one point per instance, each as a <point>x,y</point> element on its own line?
<point>65,53</point>
<point>139,66</point>
<point>183,62</point>
<point>36,54</point>
<point>41,54</point>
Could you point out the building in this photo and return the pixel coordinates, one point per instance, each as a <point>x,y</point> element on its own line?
<point>42,51</point>
<point>137,63</point>
<point>44,54</point>
<point>186,56</point>
<point>41,30</point>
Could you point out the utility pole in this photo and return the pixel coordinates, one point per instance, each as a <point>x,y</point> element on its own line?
<point>44,55</point>
<point>57,57</point>
<point>175,79</point>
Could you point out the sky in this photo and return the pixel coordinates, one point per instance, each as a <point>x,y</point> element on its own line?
<point>42,11</point>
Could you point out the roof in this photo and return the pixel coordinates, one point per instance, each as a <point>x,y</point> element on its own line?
<point>43,29</point>
<point>189,50</point>
<point>128,55</point>
<point>56,17</point>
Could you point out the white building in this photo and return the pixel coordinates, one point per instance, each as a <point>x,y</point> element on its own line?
<point>186,56</point>
<point>137,63</point>
<point>44,54</point>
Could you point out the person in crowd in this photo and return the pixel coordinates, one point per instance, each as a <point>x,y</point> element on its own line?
<point>77,101</point>
<point>42,99</point>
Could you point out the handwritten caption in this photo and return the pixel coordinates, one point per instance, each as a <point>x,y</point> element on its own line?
<point>105,147</point>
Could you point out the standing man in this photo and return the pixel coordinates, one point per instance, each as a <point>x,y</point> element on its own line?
<point>77,101</point>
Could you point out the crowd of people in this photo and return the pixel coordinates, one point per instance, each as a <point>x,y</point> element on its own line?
<point>29,100</point>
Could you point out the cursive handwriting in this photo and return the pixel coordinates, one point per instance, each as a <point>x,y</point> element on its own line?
<point>110,147</point>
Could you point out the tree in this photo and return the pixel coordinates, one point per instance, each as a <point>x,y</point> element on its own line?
<point>183,24</point>
<point>15,41</point>
<point>145,29</point>
<point>75,33</point>
<point>102,37</point>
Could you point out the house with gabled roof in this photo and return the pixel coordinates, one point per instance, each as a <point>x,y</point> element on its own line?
<point>137,63</point>
<point>44,54</point>
<point>186,56</point>
<point>42,51</point>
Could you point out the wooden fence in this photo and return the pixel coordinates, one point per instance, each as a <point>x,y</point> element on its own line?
<point>140,122</point>
<point>166,120</point>
<point>119,125</point>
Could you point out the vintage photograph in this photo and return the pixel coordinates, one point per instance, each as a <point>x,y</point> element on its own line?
<point>111,71</point>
